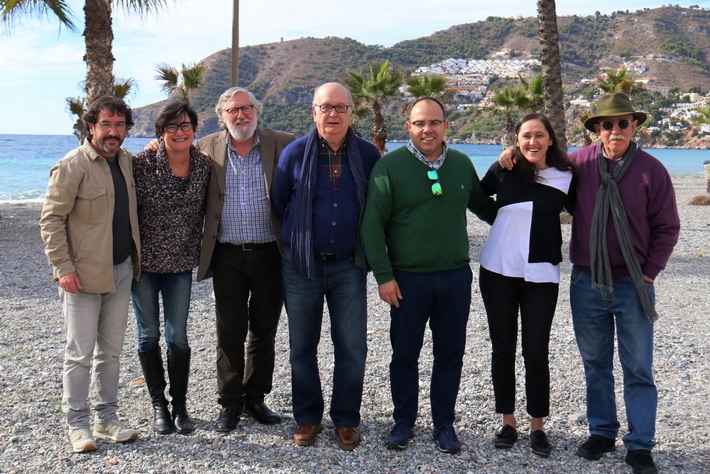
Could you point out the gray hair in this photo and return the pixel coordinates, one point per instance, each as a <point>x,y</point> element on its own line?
<point>227,95</point>
<point>347,91</point>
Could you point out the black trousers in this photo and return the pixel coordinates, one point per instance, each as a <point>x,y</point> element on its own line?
<point>248,300</point>
<point>503,297</point>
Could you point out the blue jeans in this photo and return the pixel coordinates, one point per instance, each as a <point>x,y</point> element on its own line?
<point>175,288</point>
<point>444,300</point>
<point>595,313</point>
<point>342,285</point>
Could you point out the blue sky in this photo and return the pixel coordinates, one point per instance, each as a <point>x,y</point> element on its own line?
<point>42,64</point>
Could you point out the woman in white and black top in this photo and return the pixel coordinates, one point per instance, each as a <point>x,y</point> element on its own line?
<point>520,271</point>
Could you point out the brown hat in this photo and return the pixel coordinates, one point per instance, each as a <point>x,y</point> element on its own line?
<point>613,105</point>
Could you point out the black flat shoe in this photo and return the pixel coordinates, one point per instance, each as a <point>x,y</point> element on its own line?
<point>595,447</point>
<point>641,461</point>
<point>261,413</point>
<point>540,444</point>
<point>228,419</point>
<point>506,437</point>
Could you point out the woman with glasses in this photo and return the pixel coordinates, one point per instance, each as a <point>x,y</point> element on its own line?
<point>520,271</point>
<point>171,185</point>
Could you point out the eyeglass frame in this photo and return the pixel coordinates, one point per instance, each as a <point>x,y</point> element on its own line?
<point>327,108</point>
<point>608,125</point>
<point>245,109</point>
<point>436,186</point>
<point>183,126</point>
<point>432,124</point>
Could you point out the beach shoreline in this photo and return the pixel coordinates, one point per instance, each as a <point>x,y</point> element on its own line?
<point>32,431</point>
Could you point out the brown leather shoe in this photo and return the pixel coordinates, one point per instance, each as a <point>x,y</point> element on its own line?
<point>348,437</point>
<point>306,435</point>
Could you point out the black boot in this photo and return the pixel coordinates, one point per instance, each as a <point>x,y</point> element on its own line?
<point>152,364</point>
<point>178,372</point>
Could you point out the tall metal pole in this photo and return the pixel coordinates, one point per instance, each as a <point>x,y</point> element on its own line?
<point>235,44</point>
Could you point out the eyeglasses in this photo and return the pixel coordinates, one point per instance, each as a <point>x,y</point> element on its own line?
<point>436,187</point>
<point>106,126</point>
<point>609,124</point>
<point>326,108</point>
<point>433,124</point>
<point>184,126</point>
<point>234,111</point>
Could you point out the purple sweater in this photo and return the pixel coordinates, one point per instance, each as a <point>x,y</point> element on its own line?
<point>649,199</point>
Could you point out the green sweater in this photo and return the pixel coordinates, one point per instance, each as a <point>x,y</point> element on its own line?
<point>407,227</point>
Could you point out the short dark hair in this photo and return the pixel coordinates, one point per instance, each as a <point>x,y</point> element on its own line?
<point>172,110</point>
<point>423,98</point>
<point>555,157</point>
<point>111,103</point>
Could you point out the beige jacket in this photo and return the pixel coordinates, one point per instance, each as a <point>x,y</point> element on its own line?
<point>215,145</point>
<point>76,220</point>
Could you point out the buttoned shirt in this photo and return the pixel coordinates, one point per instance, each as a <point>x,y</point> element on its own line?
<point>246,214</point>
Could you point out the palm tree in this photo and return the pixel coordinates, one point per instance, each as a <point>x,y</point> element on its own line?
<point>528,96</point>
<point>372,93</point>
<point>620,81</point>
<point>551,68</point>
<point>98,32</point>
<point>181,82</point>
<point>426,86</point>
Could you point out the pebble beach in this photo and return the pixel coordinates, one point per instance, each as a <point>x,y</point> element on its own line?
<point>33,435</point>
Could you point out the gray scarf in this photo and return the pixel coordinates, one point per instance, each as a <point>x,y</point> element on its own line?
<point>609,199</point>
<point>302,258</point>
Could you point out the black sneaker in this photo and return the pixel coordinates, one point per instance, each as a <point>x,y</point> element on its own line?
<point>540,444</point>
<point>446,440</point>
<point>595,447</point>
<point>399,436</point>
<point>641,461</point>
<point>506,437</point>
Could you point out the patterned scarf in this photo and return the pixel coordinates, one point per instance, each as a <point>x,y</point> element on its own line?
<point>609,199</point>
<point>302,258</point>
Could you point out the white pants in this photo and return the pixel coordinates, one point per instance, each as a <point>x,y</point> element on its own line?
<point>95,325</point>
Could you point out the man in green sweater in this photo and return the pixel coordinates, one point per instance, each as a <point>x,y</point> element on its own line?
<point>414,232</point>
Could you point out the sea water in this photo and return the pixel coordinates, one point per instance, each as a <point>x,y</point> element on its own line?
<point>25,161</point>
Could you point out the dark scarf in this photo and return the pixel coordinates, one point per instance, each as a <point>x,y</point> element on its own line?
<point>302,259</point>
<point>609,199</point>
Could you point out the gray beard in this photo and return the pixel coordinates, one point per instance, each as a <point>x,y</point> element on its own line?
<point>238,135</point>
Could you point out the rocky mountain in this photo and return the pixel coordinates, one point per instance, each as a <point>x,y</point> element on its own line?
<point>671,44</point>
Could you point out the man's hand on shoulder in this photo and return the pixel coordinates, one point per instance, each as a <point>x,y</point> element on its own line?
<point>506,158</point>
<point>152,145</point>
<point>389,293</point>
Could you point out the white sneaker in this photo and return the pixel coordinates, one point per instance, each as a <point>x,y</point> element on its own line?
<point>114,430</point>
<point>81,440</point>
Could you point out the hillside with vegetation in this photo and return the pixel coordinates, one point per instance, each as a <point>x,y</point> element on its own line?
<point>671,44</point>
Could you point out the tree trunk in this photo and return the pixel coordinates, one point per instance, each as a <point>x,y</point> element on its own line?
<point>551,69</point>
<point>98,37</point>
<point>379,131</point>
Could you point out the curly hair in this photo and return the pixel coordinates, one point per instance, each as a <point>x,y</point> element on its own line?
<point>111,103</point>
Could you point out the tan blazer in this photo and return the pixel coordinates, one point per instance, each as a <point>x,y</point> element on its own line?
<point>215,145</point>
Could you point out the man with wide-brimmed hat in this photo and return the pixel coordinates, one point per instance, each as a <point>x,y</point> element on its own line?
<point>624,229</point>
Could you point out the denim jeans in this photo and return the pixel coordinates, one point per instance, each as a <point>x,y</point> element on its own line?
<point>443,299</point>
<point>595,314</point>
<point>342,285</point>
<point>95,325</point>
<point>175,289</point>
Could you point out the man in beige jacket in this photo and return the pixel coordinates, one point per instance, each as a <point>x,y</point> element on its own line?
<point>89,224</point>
